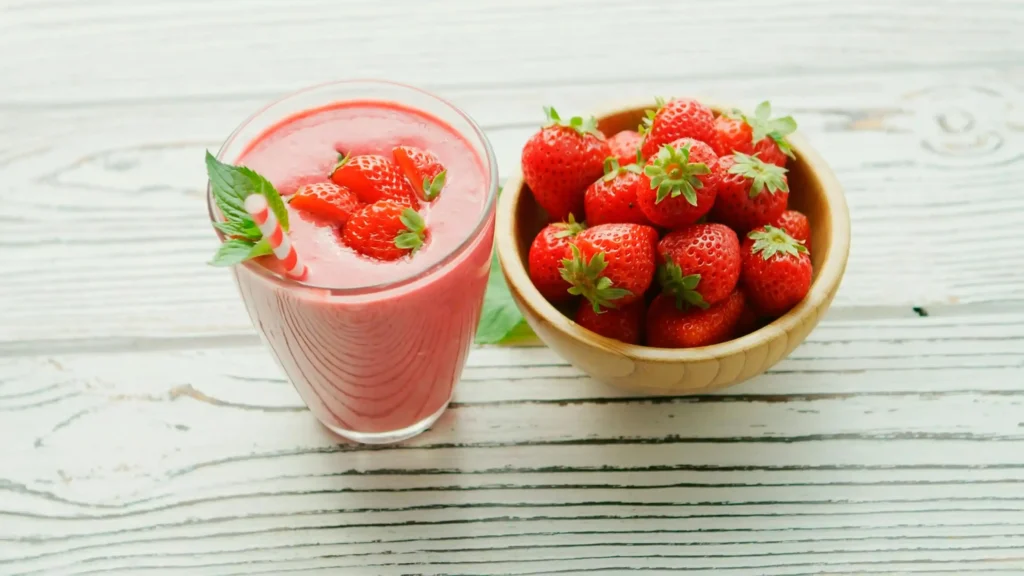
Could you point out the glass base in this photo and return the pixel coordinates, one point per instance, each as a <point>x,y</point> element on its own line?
<point>392,436</point>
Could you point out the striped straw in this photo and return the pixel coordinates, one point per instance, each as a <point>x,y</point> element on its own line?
<point>257,207</point>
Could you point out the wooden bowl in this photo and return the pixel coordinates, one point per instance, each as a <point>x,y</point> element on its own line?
<point>814,191</point>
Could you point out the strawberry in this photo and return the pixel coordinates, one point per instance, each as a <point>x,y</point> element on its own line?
<point>326,200</point>
<point>751,193</point>
<point>423,169</point>
<point>624,324</point>
<point>776,270</point>
<point>561,160</point>
<point>547,251</point>
<point>385,230</point>
<point>796,225</point>
<point>749,320</point>
<point>679,118</point>
<point>670,327</point>
<point>758,134</point>
<point>625,146</point>
<point>679,183</point>
<point>613,197</point>
<point>699,265</point>
<point>373,178</point>
<point>611,265</point>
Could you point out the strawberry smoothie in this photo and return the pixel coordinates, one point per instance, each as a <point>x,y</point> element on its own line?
<point>373,347</point>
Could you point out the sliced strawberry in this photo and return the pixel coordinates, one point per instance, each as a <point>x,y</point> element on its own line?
<point>423,169</point>
<point>385,230</point>
<point>326,200</point>
<point>373,178</point>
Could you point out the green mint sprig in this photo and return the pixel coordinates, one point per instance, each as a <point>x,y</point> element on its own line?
<point>501,322</point>
<point>230,186</point>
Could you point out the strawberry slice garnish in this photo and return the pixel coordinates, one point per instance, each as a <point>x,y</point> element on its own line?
<point>326,200</point>
<point>372,178</point>
<point>423,169</point>
<point>385,230</point>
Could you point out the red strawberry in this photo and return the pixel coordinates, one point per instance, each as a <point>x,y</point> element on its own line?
<point>423,169</point>
<point>679,118</point>
<point>776,270</point>
<point>796,225</point>
<point>613,197</point>
<point>749,320</point>
<point>751,193</point>
<point>326,200</point>
<point>758,134</point>
<point>670,327</point>
<point>699,265</point>
<point>373,178</point>
<point>611,265</point>
<point>385,230</point>
<point>624,324</point>
<point>625,146</point>
<point>547,251</point>
<point>561,160</point>
<point>679,183</point>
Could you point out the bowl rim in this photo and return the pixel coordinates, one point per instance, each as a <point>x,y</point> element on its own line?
<point>821,292</point>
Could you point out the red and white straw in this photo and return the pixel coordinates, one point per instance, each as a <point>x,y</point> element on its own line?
<point>257,207</point>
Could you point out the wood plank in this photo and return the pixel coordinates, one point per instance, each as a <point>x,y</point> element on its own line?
<point>117,50</point>
<point>108,236</point>
<point>881,443</point>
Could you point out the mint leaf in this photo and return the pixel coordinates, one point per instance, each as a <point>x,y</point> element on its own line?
<point>500,319</point>
<point>235,251</point>
<point>244,229</point>
<point>232,184</point>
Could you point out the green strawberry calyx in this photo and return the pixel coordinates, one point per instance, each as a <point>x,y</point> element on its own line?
<point>672,173</point>
<point>763,175</point>
<point>648,120</point>
<point>683,288</point>
<point>342,160</point>
<point>586,280</point>
<point>581,125</point>
<point>415,230</point>
<point>771,241</point>
<point>762,124</point>
<point>432,186</point>
<point>612,168</point>
<point>569,228</point>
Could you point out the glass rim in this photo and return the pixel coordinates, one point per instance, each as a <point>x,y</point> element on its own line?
<point>472,236</point>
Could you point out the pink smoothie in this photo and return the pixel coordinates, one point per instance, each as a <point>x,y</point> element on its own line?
<point>372,346</point>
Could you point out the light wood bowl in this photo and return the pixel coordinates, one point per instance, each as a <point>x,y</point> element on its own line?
<point>814,191</point>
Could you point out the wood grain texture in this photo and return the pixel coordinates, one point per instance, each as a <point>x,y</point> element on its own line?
<point>837,459</point>
<point>84,186</point>
<point>143,429</point>
<point>126,50</point>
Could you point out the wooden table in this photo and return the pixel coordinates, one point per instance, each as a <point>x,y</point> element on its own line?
<point>145,429</point>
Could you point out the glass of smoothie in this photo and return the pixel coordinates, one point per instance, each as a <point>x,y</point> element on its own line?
<point>373,347</point>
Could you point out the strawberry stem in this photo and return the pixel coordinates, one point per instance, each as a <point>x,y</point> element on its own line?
<point>570,228</point>
<point>342,159</point>
<point>416,228</point>
<point>582,126</point>
<point>672,173</point>
<point>432,186</point>
<point>771,241</point>
<point>762,125</point>
<point>586,280</point>
<point>683,288</point>
<point>762,174</point>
